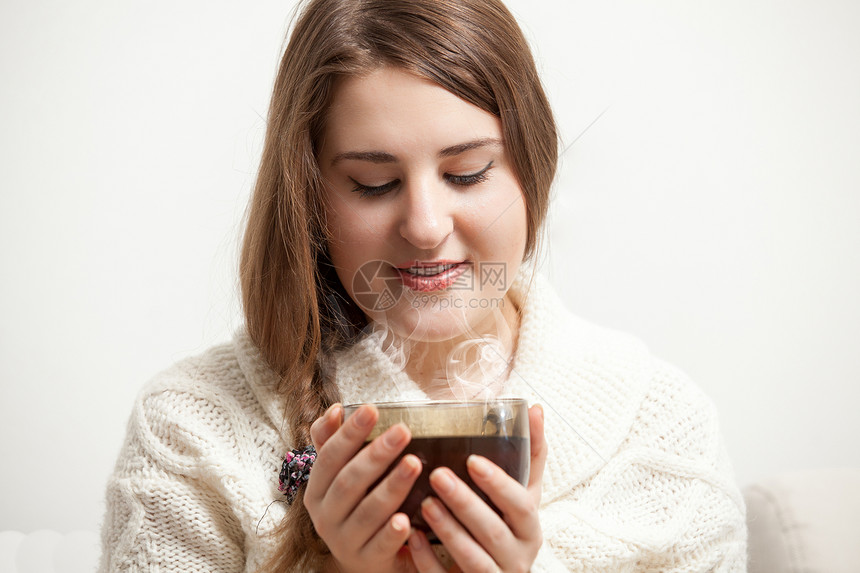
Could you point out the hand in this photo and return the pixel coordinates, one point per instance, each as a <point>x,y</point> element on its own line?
<point>359,526</point>
<point>475,536</point>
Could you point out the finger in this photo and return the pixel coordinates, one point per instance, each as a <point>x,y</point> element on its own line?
<point>518,507</point>
<point>326,425</point>
<point>476,516</point>
<point>463,548</point>
<point>389,539</point>
<point>423,557</point>
<point>339,449</point>
<point>377,506</point>
<point>538,449</point>
<point>350,486</point>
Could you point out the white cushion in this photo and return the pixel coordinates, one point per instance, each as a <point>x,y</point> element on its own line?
<point>805,521</point>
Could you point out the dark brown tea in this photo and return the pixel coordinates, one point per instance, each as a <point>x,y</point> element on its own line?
<point>446,432</point>
<point>509,453</point>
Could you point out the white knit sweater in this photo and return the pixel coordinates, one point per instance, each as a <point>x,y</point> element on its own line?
<point>637,478</point>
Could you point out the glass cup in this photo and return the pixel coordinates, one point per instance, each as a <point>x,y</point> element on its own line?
<point>445,433</point>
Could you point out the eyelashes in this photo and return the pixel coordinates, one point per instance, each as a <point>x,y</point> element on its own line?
<point>367,191</point>
<point>457,180</point>
<point>471,179</point>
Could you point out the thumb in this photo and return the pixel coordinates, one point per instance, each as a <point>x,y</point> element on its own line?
<point>538,450</point>
<point>326,425</point>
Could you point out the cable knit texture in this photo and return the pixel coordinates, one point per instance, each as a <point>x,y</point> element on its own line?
<point>637,478</point>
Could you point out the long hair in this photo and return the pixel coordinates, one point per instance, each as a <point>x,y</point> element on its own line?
<point>296,310</point>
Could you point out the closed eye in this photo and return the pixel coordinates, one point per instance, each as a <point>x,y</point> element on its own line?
<point>373,191</point>
<point>459,180</point>
<point>471,178</point>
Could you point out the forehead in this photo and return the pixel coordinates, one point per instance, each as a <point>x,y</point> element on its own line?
<point>390,109</point>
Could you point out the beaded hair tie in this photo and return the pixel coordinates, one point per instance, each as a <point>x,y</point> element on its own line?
<point>295,471</point>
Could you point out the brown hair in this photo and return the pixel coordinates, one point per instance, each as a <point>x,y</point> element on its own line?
<point>295,308</point>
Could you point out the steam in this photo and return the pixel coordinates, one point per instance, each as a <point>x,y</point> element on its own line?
<point>474,366</point>
<point>388,343</point>
<point>476,369</point>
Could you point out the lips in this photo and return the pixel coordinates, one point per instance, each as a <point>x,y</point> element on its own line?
<point>431,276</point>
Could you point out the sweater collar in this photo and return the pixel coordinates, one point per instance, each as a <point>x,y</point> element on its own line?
<point>589,380</point>
<point>262,380</point>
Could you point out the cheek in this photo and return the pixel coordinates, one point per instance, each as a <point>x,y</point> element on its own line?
<point>344,228</point>
<point>353,241</point>
<point>356,222</point>
<point>340,262</point>
<point>340,240</point>
<point>501,223</point>
<point>514,233</point>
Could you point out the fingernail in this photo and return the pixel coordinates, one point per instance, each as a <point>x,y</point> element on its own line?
<point>540,409</point>
<point>416,542</point>
<point>364,417</point>
<point>334,412</point>
<point>407,466</point>
<point>480,466</point>
<point>430,509</point>
<point>394,438</point>
<point>399,522</point>
<point>442,480</point>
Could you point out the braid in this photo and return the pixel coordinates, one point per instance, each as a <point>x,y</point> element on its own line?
<point>299,546</point>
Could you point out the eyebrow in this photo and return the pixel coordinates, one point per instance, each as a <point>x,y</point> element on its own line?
<point>455,150</point>
<point>383,157</point>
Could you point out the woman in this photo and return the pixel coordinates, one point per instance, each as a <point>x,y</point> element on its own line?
<point>410,151</point>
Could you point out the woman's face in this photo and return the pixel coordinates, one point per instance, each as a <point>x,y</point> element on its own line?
<point>426,220</point>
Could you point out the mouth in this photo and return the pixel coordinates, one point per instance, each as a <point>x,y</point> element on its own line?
<point>432,275</point>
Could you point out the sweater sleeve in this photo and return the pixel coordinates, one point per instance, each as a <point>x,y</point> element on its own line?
<point>168,501</point>
<point>664,501</point>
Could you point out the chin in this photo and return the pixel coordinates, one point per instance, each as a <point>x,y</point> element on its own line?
<point>429,324</point>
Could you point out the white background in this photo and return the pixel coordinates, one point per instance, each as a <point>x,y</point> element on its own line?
<point>712,210</point>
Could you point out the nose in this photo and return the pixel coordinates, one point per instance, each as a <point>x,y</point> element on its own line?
<point>426,217</point>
